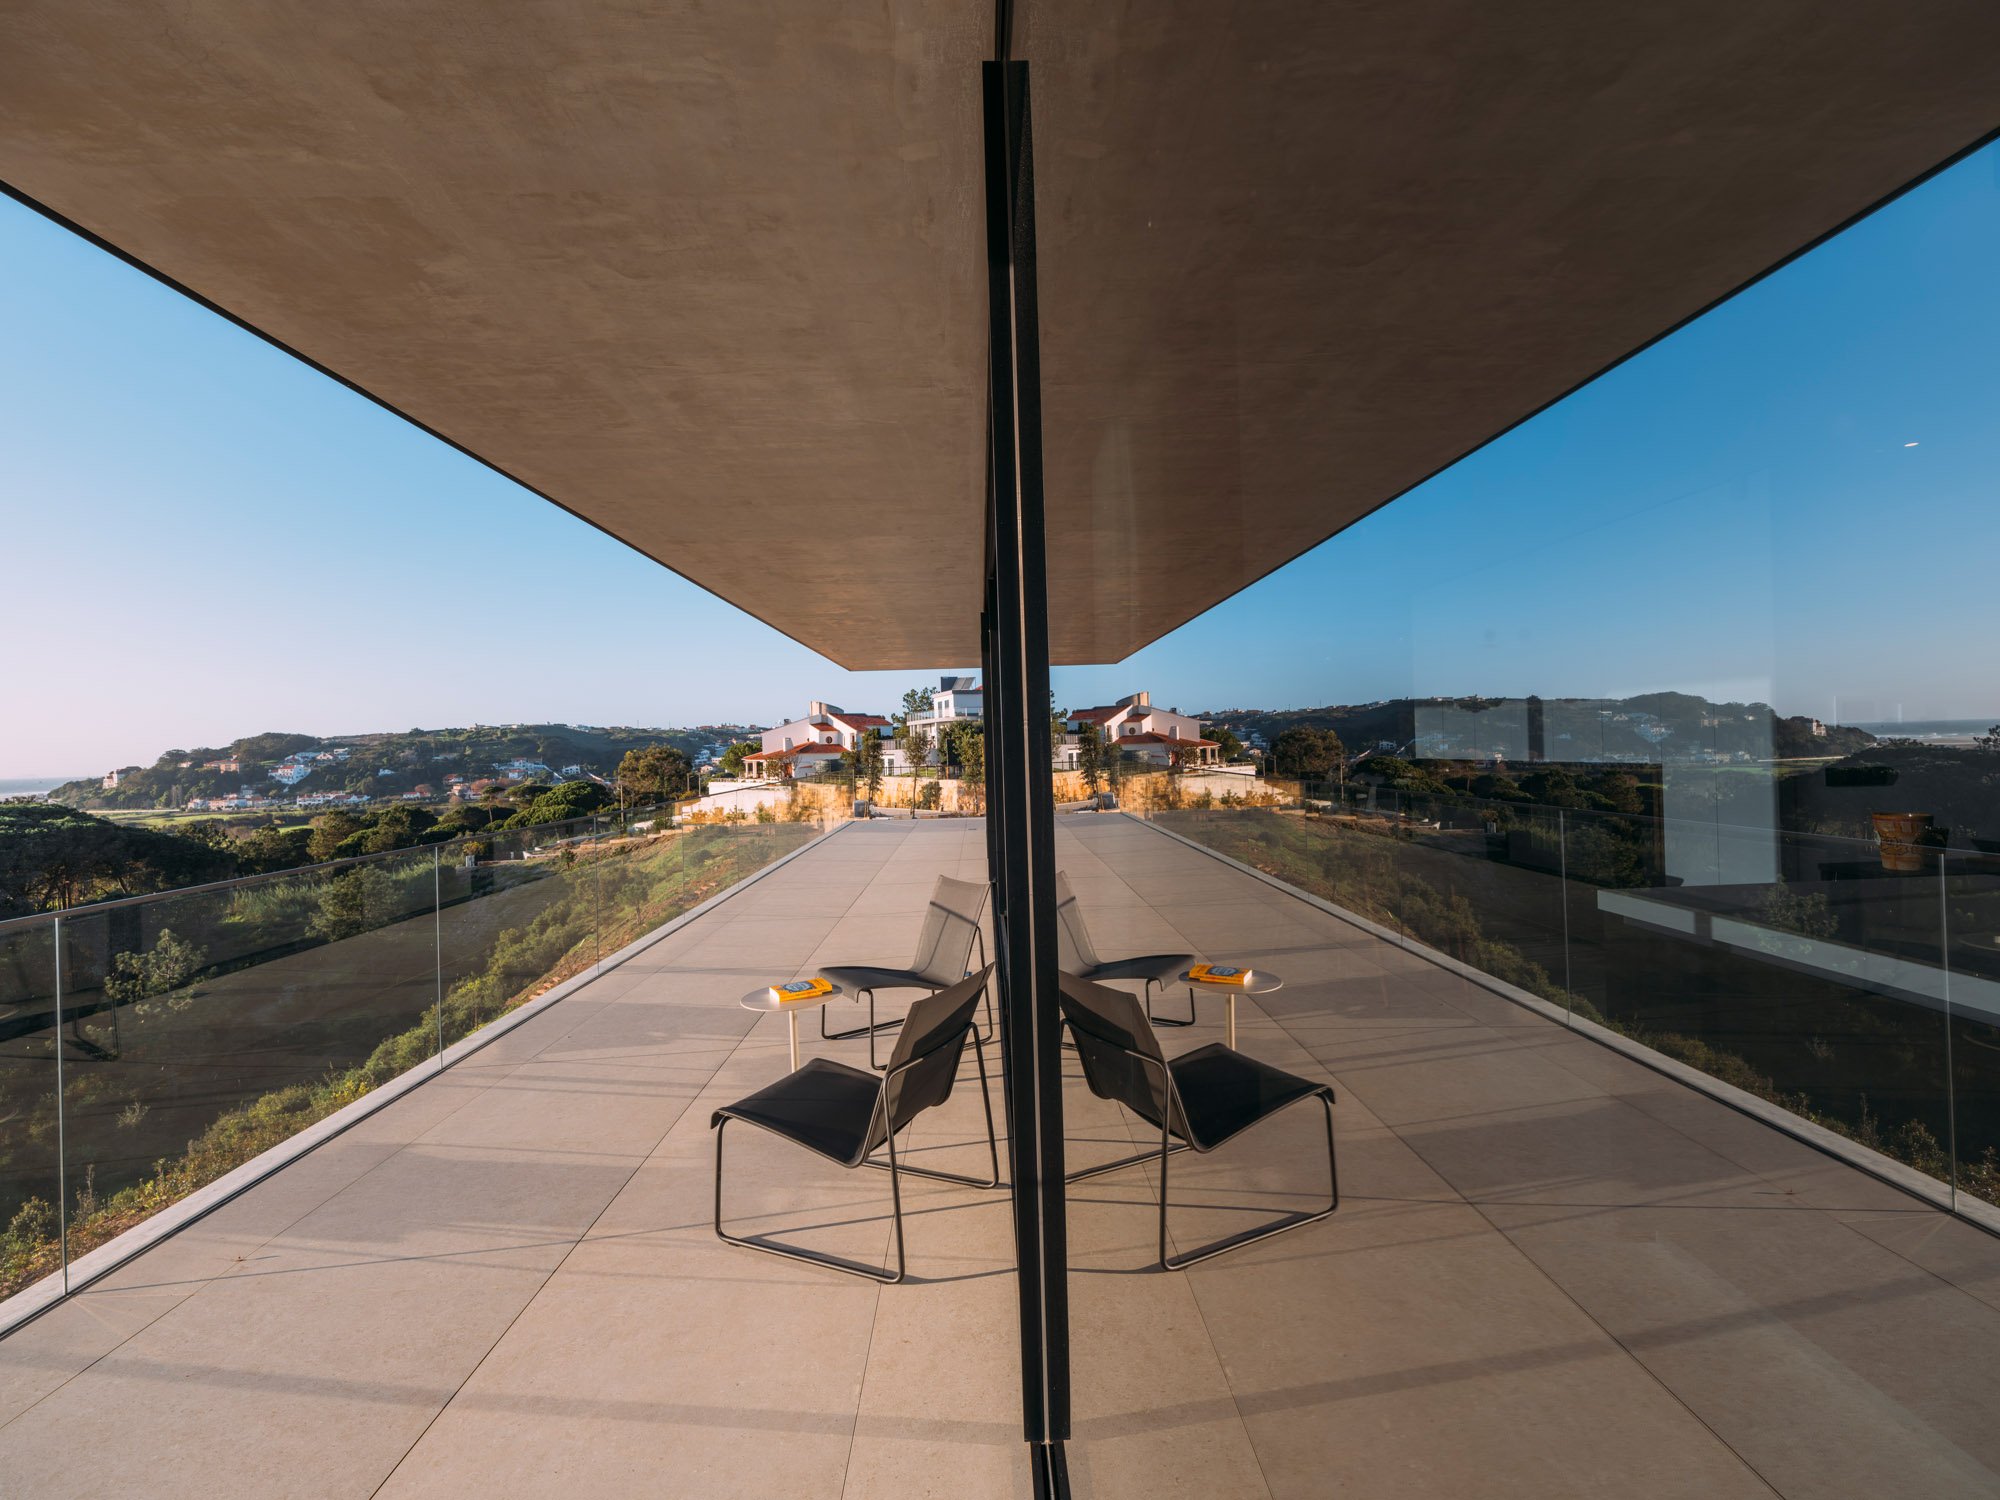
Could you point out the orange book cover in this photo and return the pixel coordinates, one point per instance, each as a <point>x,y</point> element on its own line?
<point>803,989</point>
<point>1219,974</point>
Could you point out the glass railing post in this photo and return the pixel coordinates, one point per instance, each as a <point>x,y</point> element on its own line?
<point>1950,1073</point>
<point>1562,894</point>
<point>62,1142</point>
<point>437,945</point>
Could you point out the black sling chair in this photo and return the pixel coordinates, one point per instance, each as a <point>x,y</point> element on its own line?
<point>1204,1097</point>
<point>1076,954</point>
<point>944,951</point>
<point>847,1114</point>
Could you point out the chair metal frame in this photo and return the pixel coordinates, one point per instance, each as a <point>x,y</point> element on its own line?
<point>881,1118</point>
<point>1172,1109</point>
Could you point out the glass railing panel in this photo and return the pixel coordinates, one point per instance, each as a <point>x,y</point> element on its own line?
<point>203,1028</point>
<point>1811,975</point>
<point>31,1191</point>
<point>716,857</point>
<point>1308,838</point>
<point>641,875</point>
<point>519,916</point>
<point>1482,882</point>
<point>1970,895</point>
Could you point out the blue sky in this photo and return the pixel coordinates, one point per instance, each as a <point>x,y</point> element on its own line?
<point>207,539</point>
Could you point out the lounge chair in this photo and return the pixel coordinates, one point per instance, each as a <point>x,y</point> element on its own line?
<point>846,1115</point>
<point>1205,1098</point>
<point>944,953</point>
<point>1075,954</point>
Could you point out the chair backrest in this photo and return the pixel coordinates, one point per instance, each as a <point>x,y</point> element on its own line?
<point>931,1042</point>
<point>1108,1025</point>
<point>1074,950</point>
<point>950,924</point>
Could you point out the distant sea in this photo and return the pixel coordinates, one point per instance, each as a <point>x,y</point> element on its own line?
<point>1944,731</point>
<point>31,786</point>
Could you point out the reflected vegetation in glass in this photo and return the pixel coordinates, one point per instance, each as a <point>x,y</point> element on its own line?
<point>31,1191</point>
<point>1838,978</point>
<point>201,1028</point>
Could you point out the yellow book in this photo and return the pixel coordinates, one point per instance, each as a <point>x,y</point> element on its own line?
<point>803,989</point>
<point>1219,974</point>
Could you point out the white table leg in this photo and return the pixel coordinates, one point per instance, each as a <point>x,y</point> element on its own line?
<point>792,1019</point>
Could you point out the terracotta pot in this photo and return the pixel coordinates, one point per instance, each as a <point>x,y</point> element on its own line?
<point>1902,837</point>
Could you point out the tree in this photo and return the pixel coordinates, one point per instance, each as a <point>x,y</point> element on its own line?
<point>171,964</point>
<point>397,827</point>
<point>968,751</point>
<point>1989,740</point>
<point>55,856</point>
<point>1308,754</point>
<point>1090,758</point>
<point>1231,746</point>
<point>573,799</point>
<point>914,742</point>
<point>209,833</point>
<point>274,848</point>
<point>264,747</point>
<point>329,831</point>
<point>732,758</point>
<point>868,764</point>
<point>655,773</point>
<point>359,898</point>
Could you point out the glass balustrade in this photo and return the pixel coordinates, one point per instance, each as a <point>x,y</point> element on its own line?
<point>150,1046</point>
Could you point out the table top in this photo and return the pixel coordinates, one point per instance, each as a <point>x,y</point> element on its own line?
<point>1261,982</point>
<point>768,998</point>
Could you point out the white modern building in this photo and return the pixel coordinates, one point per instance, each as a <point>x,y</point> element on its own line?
<point>814,744</point>
<point>953,700</point>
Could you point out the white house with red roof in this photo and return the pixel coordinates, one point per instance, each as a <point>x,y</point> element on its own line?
<point>812,745</point>
<point>1157,736</point>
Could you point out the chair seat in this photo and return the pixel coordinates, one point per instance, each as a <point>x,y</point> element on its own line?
<point>1162,967</point>
<point>825,1107</point>
<point>857,977</point>
<point>1223,1092</point>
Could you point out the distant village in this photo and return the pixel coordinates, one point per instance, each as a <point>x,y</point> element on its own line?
<point>809,747</point>
<point>744,765</point>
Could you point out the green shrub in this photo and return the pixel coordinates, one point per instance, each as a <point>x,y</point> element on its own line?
<point>169,966</point>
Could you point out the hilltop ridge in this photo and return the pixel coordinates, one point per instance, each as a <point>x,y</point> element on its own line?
<point>383,763</point>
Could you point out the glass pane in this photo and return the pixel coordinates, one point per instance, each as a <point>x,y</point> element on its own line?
<point>1669,707</point>
<point>519,916</point>
<point>203,1028</point>
<point>30,1192</point>
<point>1972,913</point>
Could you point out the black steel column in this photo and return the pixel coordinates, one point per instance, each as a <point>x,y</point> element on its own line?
<point>1020,794</point>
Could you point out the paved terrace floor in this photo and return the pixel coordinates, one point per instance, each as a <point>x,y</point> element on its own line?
<point>1555,1273</point>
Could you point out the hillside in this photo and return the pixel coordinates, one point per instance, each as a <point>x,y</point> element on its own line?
<point>380,764</point>
<point>1649,729</point>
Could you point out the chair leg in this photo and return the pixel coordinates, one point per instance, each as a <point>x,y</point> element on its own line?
<point>992,1139</point>
<point>814,1257</point>
<point>853,1031</point>
<point>992,1026</point>
<point>1251,1236</point>
<point>1167,1020</point>
<point>1149,1154</point>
